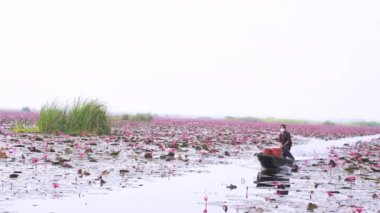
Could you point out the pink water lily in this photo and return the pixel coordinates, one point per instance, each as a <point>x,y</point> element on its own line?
<point>350,179</point>
<point>78,146</point>
<point>161,146</point>
<point>185,136</point>
<point>360,209</point>
<point>35,160</point>
<point>12,151</point>
<point>55,185</point>
<point>355,154</point>
<point>205,198</point>
<point>330,194</point>
<point>107,140</point>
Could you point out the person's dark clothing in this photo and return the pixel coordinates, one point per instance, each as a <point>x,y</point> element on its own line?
<point>284,138</point>
<point>286,152</point>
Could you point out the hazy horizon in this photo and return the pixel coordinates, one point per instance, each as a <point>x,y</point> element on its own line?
<point>282,59</point>
<point>195,116</point>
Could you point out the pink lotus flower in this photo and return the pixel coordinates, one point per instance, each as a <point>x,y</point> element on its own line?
<point>360,209</point>
<point>171,150</point>
<point>35,160</point>
<point>330,194</point>
<point>127,133</point>
<point>206,199</point>
<point>354,154</point>
<point>350,179</point>
<point>81,154</point>
<point>55,185</point>
<point>185,136</point>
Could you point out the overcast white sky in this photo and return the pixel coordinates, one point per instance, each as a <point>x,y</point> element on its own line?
<point>291,59</point>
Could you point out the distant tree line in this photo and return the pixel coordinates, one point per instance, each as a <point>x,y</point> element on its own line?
<point>26,109</point>
<point>137,117</point>
<point>369,123</point>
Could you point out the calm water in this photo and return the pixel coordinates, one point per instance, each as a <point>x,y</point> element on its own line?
<point>185,193</point>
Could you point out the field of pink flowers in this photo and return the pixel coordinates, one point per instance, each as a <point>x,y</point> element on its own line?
<point>13,116</point>
<point>306,130</point>
<point>240,128</point>
<point>38,165</point>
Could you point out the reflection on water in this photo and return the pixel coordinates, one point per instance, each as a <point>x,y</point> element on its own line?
<point>279,179</point>
<point>186,193</point>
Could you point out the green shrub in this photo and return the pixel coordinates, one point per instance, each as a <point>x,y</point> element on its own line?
<point>328,123</point>
<point>26,109</point>
<point>137,117</point>
<point>82,116</point>
<point>125,117</point>
<point>369,123</point>
<point>142,117</point>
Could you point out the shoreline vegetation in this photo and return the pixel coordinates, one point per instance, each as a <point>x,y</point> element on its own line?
<point>295,121</point>
<point>31,122</point>
<point>147,117</point>
<point>91,117</point>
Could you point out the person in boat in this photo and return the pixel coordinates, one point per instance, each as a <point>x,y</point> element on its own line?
<point>286,142</point>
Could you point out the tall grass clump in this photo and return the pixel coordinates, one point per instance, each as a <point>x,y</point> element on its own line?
<point>89,116</point>
<point>82,116</point>
<point>52,118</point>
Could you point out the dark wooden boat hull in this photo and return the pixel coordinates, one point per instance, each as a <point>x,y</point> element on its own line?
<point>278,179</point>
<point>273,162</point>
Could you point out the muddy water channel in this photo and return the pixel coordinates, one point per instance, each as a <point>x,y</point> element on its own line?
<point>235,184</point>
